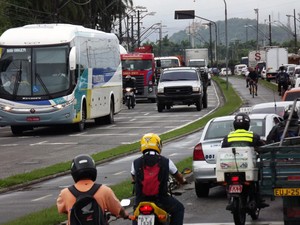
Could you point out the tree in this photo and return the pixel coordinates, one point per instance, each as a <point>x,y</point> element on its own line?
<point>88,13</point>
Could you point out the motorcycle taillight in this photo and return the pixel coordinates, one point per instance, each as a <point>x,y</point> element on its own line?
<point>146,209</point>
<point>235,178</point>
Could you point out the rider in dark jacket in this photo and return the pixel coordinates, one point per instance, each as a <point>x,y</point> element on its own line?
<point>293,129</point>
<point>151,147</point>
<point>282,79</point>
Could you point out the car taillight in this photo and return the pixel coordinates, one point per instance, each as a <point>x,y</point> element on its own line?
<point>146,209</point>
<point>198,152</point>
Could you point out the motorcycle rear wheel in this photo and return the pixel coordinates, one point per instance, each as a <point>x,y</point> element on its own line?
<point>128,102</point>
<point>239,212</point>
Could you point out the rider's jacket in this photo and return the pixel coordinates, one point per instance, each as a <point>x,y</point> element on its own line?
<point>163,176</point>
<point>240,138</point>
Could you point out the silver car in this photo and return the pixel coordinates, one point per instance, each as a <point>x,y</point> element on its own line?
<point>205,152</point>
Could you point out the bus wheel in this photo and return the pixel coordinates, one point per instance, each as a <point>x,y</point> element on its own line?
<point>17,130</point>
<point>110,118</point>
<point>81,125</point>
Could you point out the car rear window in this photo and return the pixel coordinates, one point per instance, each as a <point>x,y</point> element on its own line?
<point>258,126</point>
<point>219,129</point>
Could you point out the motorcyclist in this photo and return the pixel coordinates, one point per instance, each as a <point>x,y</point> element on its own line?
<point>293,129</point>
<point>204,77</point>
<point>282,79</point>
<point>84,173</point>
<point>151,147</point>
<point>242,137</point>
<point>130,82</point>
<point>252,78</point>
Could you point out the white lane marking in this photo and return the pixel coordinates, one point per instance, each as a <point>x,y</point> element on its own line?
<point>121,172</point>
<point>58,143</point>
<point>41,198</point>
<point>112,134</point>
<point>9,145</point>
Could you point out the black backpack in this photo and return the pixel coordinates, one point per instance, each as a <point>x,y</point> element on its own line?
<point>282,77</point>
<point>86,210</point>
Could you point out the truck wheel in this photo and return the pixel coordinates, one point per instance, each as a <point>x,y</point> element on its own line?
<point>199,104</point>
<point>160,107</point>
<point>204,100</point>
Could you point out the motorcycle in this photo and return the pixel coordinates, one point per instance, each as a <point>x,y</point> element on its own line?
<point>149,213</point>
<point>129,97</point>
<point>236,169</point>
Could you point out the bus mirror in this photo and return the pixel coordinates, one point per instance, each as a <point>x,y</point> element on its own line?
<point>72,58</point>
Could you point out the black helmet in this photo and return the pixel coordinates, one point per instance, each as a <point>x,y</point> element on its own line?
<point>287,112</point>
<point>282,68</point>
<point>241,121</point>
<point>83,167</point>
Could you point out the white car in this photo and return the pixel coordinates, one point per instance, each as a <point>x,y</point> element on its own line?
<point>223,72</point>
<point>205,152</point>
<point>273,107</point>
<point>238,69</point>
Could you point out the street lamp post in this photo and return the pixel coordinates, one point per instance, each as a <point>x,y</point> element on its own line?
<point>226,42</point>
<point>295,29</point>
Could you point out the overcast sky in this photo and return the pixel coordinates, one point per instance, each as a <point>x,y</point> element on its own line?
<point>214,10</point>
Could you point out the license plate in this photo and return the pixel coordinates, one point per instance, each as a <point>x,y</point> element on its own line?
<point>287,191</point>
<point>236,188</point>
<point>146,219</point>
<point>33,118</point>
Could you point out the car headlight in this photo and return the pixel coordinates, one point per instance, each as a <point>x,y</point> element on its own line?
<point>196,89</point>
<point>160,90</point>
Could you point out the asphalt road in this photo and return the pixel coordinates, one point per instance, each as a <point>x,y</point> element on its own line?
<point>128,128</point>
<point>47,146</point>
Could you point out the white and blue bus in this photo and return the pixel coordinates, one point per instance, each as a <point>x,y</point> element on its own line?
<point>53,74</point>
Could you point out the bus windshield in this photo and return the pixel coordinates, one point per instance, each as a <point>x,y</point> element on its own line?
<point>34,72</point>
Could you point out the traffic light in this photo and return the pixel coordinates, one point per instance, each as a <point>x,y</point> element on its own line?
<point>184,14</point>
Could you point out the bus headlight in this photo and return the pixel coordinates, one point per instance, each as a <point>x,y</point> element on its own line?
<point>6,108</point>
<point>63,105</point>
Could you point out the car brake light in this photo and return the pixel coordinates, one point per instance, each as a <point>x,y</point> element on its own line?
<point>146,209</point>
<point>198,152</point>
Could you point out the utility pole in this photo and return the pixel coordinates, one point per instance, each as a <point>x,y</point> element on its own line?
<point>296,47</point>
<point>256,11</point>
<point>270,31</point>
<point>120,22</point>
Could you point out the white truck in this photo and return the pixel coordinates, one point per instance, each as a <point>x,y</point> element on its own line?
<point>255,57</point>
<point>275,57</point>
<point>196,54</point>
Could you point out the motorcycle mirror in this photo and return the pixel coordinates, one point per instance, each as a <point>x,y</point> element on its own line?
<point>186,171</point>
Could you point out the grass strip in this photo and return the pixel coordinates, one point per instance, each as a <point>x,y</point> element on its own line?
<point>122,190</point>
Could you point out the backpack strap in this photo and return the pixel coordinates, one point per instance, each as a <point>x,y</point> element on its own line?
<point>90,192</point>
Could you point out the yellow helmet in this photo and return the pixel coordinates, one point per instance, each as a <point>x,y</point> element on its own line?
<point>151,141</point>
